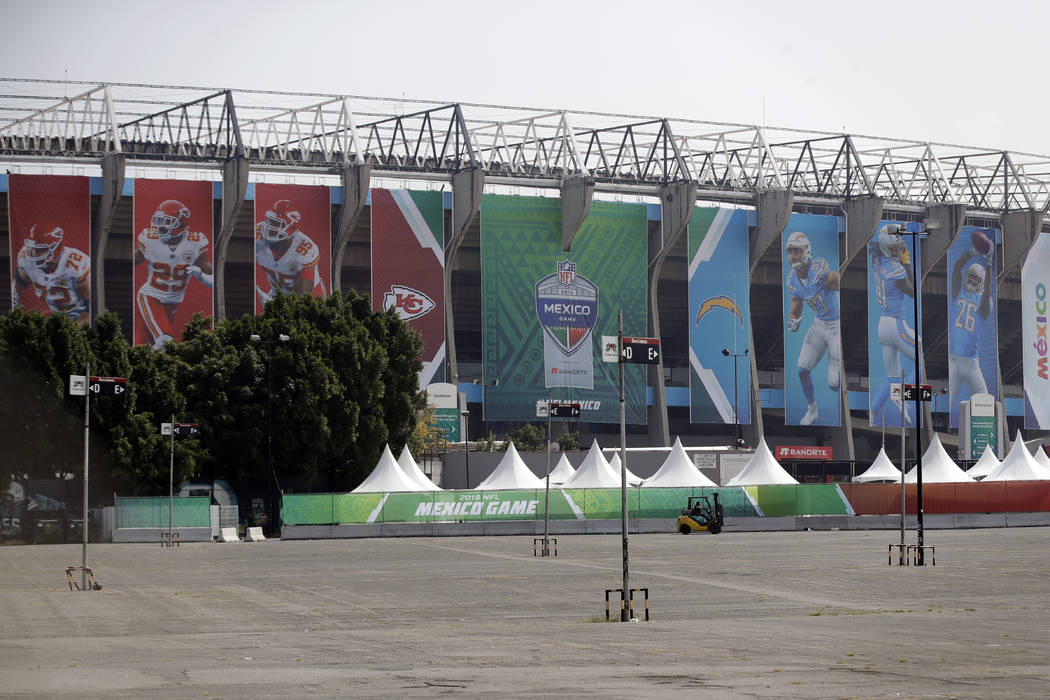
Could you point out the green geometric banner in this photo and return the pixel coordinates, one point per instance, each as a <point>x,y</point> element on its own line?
<point>525,275</point>
<point>189,511</point>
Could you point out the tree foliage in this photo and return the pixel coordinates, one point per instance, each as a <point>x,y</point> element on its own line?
<point>324,402</point>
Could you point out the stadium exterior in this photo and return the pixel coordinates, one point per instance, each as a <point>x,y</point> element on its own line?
<point>115,133</point>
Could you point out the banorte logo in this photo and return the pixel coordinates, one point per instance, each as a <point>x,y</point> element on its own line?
<point>407,302</point>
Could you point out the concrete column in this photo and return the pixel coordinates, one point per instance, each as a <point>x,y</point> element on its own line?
<point>576,194</point>
<point>863,215</point>
<point>772,209</point>
<point>234,189</point>
<point>356,179</point>
<point>113,166</point>
<point>944,223</point>
<point>677,203</point>
<point>467,187</point>
<point>1020,229</point>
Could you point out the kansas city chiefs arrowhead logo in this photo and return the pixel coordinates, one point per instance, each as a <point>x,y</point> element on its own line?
<point>407,302</point>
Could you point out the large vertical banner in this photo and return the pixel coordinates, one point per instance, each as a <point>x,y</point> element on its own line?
<point>973,329</point>
<point>544,310</point>
<point>812,342</point>
<point>49,219</point>
<point>891,323</point>
<point>408,268</point>
<point>173,257</point>
<point>1035,320</point>
<point>293,241</point>
<point>719,317</point>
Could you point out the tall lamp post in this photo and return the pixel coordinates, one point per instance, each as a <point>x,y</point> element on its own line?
<point>917,292</point>
<point>466,446</point>
<point>281,338</point>
<point>736,416</point>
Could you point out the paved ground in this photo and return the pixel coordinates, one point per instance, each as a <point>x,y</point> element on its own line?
<point>748,615</point>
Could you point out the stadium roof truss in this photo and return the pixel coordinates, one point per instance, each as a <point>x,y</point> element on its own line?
<point>205,126</point>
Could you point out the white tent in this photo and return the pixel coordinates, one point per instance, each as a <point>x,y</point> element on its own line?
<point>562,472</point>
<point>937,467</point>
<point>411,469</point>
<point>387,476</point>
<point>678,471</point>
<point>510,473</point>
<point>985,465</point>
<point>615,464</point>
<point>762,469</point>
<point>1019,465</point>
<point>881,470</point>
<point>1041,456</point>
<point>594,472</point>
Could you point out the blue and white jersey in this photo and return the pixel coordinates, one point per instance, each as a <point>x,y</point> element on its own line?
<point>888,294</point>
<point>823,301</point>
<point>965,333</point>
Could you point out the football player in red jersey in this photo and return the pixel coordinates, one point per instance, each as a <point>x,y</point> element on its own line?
<point>288,256</point>
<point>58,274</point>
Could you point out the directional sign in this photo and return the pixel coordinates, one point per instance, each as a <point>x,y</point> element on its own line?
<point>180,428</point>
<point>641,350</point>
<point>565,410</point>
<point>77,385</point>
<point>925,392</point>
<point>107,386</point>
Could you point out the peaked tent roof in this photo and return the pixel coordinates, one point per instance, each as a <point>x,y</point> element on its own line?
<point>1041,456</point>
<point>594,472</point>
<point>985,465</point>
<point>614,464</point>
<point>563,471</point>
<point>762,469</point>
<point>937,467</point>
<point>678,471</point>
<point>882,469</point>
<point>1019,465</point>
<point>510,473</point>
<point>411,469</point>
<point>387,476</point>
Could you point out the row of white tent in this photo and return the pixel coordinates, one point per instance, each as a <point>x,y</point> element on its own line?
<point>678,471</point>
<point>938,468</point>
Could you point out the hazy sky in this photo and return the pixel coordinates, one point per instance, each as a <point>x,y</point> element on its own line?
<point>952,72</point>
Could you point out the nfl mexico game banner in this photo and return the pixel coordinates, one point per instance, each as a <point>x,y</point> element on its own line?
<point>173,275</point>
<point>812,340</point>
<point>293,241</point>
<point>408,268</point>
<point>973,329</point>
<point>891,323</point>
<point>545,310</point>
<point>1035,320</point>
<point>49,220</point>
<point>719,307</point>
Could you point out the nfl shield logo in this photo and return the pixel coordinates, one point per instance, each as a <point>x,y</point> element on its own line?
<point>567,273</point>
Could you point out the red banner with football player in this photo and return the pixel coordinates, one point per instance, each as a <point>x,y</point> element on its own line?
<point>293,241</point>
<point>50,238</point>
<point>408,268</point>
<point>173,228</point>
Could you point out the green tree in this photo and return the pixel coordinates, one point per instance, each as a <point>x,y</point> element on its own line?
<point>569,441</point>
<point>529,438</point>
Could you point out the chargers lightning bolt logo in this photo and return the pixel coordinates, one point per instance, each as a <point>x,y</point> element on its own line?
<point>719,302</point>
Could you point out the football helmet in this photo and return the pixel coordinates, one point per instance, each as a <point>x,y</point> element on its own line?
<point>43,245</point>
<point>800,242</point>
<point>974,278</point>
<point>282,220</point>
<point>890,242</point>
<point>170,220</point>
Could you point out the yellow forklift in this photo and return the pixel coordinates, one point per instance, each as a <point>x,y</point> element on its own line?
<point>703,513</point>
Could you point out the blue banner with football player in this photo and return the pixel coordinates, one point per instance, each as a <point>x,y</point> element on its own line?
<point>973,329</point>
<point>812,343</point>
<point>719,317</point>
<point>891,323</point>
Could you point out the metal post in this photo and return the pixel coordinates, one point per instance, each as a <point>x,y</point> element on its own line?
<point>903,470</point>
<point>87,425</point>
<point>625,614</point>
<point>171,480</point>
<point>918,405</point>
<point>269,439</point>
<point>547,488</point>
<point>466,447</point>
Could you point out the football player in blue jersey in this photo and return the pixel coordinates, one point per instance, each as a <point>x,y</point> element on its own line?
<point>894,281</point>
<point>815,283</point>
<point>971,292</point>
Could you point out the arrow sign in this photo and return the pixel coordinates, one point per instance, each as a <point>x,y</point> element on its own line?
<point>641,350</point>
<point>107,386</point>
<point>925,392</point>
<point>565,410</point>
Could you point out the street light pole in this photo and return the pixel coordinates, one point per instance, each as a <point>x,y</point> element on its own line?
<point>466,447</point>
<point>736,415</point>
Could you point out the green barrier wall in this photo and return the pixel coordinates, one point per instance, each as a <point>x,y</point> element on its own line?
<point>567,504</point>
<point>191,511</point>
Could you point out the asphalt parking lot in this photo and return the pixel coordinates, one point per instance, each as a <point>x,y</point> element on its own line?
<point>751,615</point>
